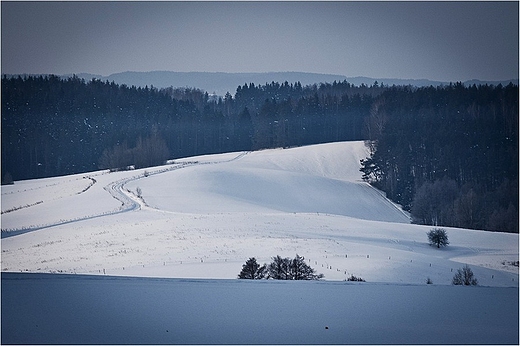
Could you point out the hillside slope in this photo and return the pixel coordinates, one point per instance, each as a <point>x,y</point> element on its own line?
<point>317,179</point>
<point>202,217</point>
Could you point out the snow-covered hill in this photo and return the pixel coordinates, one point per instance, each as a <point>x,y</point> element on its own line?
<point>202,217</point>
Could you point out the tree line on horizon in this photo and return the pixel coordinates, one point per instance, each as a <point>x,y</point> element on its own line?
<point>448,154</point>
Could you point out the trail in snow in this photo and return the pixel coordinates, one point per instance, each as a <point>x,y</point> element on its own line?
<point>206,219</point>
<point>116,189</point>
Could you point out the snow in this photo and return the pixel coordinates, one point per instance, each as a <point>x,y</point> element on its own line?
<point>202,217</point>
<point>74,309</point>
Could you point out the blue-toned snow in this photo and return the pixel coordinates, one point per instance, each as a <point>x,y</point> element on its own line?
<point>201,218</point>
<point>76,309</point>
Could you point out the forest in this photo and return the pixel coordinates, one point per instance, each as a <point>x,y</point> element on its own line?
<point>447,154</point>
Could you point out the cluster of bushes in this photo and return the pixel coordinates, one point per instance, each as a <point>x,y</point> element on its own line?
<point>279,269</point>
<point>463,277</point>
<point>355,278</point>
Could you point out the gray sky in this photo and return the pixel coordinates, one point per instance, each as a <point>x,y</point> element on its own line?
<point>446,41</point>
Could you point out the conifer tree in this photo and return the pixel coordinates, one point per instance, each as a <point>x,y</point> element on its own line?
<point>252,270</point>
<point>438,236</point>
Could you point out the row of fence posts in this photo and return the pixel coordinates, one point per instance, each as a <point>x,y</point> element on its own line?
<point>309,260</point>
<point>389,257</point>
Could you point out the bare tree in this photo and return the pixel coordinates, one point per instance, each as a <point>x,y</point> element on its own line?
<point>464,277</point>
<point>279,268</point>
<point>295,269</point>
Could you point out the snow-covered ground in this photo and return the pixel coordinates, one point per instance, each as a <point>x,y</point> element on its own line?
<point>77,309</point>
<point>203,217</point>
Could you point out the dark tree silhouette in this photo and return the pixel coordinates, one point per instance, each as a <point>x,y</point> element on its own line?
<point>448,154</point>
<point>444,153</point>
<point>464,277</point>
<point>438,237</point>
<point>252,270</point>
<point>295,269</point>
<point>355,278</point>
<point>279,268</point>
<point>299,270</point>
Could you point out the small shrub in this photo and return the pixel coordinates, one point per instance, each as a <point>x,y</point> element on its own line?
<point>464,277</point>
<point>510,263</point>
<point>355,278</point>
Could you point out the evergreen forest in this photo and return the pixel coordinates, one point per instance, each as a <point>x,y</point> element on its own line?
<point>448,154</point>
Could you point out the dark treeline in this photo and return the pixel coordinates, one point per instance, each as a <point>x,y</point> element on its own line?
<point>53,126</point>
<point>448,154</point>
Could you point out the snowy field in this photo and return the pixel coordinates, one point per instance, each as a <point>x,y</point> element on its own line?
<point>77,309</point>
<point>203,217</point>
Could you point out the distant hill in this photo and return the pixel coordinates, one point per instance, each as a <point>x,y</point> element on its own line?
<point>220,83</point>
<point>213,82</point>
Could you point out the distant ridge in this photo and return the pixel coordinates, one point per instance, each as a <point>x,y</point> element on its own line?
<point>220,83</point>
<point>213,82</point>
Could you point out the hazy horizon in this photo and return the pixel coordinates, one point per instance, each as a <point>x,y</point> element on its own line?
<point>406,40</point>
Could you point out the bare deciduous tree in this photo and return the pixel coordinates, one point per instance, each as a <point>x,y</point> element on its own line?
<point>464,277</point>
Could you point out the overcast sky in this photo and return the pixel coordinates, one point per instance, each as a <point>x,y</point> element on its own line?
<point>447,41</point>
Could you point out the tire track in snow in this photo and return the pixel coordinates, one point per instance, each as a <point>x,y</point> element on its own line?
<point>117,191</point>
